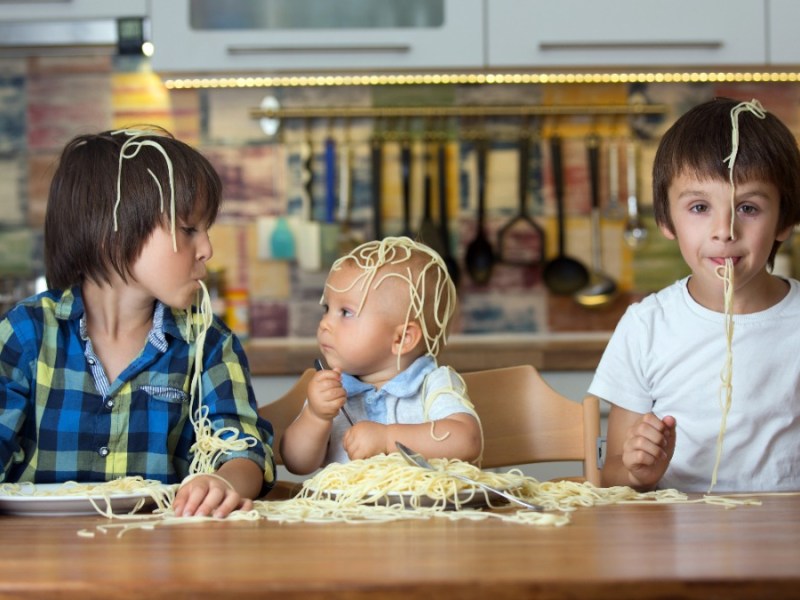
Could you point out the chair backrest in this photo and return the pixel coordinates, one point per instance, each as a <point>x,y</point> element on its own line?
<point>526,421</point>
<point>285,409</point>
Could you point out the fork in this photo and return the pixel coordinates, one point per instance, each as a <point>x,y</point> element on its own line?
<point>318,366</point>
<point>417,459</point>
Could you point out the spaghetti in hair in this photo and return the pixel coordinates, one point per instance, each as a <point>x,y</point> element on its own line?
<point>418,266</point>
<point>210,446</point>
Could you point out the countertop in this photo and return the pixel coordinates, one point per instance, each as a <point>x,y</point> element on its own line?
<point>573,351</point>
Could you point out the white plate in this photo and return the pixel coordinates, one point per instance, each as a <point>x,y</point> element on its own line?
<point>63,506</point>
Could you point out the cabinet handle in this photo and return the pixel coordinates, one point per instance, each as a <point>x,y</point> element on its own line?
<point>632,45</point>
<point>305,49</point>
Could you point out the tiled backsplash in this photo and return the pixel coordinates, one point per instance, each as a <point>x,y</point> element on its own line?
<point>47,101</point>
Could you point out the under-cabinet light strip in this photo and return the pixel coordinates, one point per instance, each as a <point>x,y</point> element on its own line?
<point>476,78</point>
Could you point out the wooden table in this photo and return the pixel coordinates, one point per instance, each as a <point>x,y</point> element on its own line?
<point>677,551</point>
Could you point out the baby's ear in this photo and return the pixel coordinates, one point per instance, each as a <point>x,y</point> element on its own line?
<point>404,344</point>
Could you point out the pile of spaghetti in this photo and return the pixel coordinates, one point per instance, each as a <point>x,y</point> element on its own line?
<point>386,488</point>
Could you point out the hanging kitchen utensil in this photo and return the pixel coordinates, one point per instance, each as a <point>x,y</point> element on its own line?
<point>444,215</point>
<point>521,240</point>
<point>562,275</point>
<point>348,240</point>
<point>480,255</point>
<point>601,289</point>
<point>329,230</point>
<point>376,180</point>
<point>308,251</point>
<point>428,231</point>
<point>613,210</point>
<point>405,176</point>
<point>281,241</point>
<point>635,234</point>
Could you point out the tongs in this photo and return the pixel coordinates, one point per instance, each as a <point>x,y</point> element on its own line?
<point>417,459</point>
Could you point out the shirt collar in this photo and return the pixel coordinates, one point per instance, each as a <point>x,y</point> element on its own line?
<point>70,306</point>
<point>405,383</point>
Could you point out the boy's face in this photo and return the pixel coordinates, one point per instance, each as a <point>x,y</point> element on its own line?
<point>173,277</point>
<point>701,216</point>
<point>361,344</point>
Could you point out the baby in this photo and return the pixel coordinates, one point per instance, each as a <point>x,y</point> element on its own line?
<point>387,311</point>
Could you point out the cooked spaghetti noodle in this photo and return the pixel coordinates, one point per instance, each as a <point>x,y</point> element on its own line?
<point>726,273</point>
<point>209,446</point>
<point>395,256</point>
<point>386,488</point>
<point>431,293</point>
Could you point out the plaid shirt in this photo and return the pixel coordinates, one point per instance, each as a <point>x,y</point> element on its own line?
<point>61,419</point>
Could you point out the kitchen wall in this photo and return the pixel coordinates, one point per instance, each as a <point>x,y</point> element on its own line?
<point>45,101</point>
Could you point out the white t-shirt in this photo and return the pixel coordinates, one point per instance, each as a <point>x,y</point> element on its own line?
<point>666,356</point>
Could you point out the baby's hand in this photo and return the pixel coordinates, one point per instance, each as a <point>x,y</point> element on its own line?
<point>205,495</point>
<point>648,448</point>
<point>326,394</point>
<point>365,439</point>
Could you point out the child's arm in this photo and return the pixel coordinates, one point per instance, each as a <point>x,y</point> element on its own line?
<point>457,436</point>
<point>305,441</point>
<point>639,449</point>
<point>230,488</point>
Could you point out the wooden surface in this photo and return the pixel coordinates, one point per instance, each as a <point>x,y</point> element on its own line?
<point>677,551</point>
<point>551,352</point>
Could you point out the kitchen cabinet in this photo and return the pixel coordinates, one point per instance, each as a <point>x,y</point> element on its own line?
<point>784,47</point>
<point>608,33</point>
<point>50,10</point>
<point>297,35</point>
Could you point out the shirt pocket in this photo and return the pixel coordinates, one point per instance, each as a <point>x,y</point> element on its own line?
<point>161,414</point>
<point>165,393</point>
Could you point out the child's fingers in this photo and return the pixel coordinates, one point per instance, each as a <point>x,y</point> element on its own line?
<point>202,498</point>
<point>231,502</point>
<point>328,376</point>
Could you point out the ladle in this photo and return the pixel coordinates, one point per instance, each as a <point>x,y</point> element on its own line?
<point>405,177</point>
<point>444,216</point>
<point>480,255</point>
<point>562,275</point>
<point>635,234</point>
<point>601,289</point>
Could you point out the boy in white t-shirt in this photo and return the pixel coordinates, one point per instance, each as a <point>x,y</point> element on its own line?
<point>662,367</point>
<point>388,306</point>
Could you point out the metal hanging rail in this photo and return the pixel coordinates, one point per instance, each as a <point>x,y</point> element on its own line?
<point>457,111</point>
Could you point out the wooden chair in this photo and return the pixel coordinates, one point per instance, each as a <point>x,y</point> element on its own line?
<point>526,421</point>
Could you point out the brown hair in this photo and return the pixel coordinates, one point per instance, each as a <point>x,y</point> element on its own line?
<point>80,241</point>
<point>699,142</point>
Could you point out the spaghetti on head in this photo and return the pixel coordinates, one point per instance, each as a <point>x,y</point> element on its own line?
<point>422,275</point>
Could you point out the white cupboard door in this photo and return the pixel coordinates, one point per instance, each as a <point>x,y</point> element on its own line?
<point>609,33</point>
<point>784,40</point>
<point>437,34</point>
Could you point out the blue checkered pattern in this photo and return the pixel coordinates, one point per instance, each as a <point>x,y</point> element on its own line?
<point>61,419</point>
